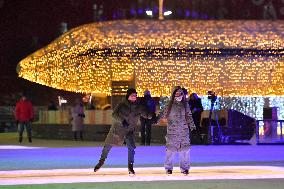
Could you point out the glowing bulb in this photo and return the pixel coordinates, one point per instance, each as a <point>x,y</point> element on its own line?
<point>167,13</point>
<point>149,13</point>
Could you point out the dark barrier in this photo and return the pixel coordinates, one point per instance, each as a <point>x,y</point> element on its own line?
<point>227,126</point>
<point>91,132</point>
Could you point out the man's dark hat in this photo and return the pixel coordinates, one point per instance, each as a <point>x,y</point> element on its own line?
<point>130,91</point>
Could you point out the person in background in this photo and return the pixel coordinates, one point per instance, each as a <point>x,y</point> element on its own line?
<point>196,110</point>
<point>179,121</point>
<point>77,113</point>
<point>146,124</point>
<point>24,116</point>
<point>52,106</point>
<point>125,117</point>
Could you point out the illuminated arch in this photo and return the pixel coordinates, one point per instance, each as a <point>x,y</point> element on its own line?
<point>234,58</point>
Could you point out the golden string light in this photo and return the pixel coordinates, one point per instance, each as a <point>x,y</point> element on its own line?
<point>234,58</point>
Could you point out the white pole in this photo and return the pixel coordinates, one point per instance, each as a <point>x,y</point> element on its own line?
<point>161,15</point>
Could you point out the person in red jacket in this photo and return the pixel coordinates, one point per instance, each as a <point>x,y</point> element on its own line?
<point>24,115</point>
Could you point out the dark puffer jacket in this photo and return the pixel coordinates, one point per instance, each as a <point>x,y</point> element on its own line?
<point>130,112</point>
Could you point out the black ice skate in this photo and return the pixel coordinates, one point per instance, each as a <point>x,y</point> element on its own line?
<point>99,165</point>
<point>185,172</point>
<point>169,172</point>
<point>131,171</point>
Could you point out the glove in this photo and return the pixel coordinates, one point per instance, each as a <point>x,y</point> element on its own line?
<point>125,124</point>
<point>81,115</point>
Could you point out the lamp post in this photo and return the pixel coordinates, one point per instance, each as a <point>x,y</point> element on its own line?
<point>161,14</point>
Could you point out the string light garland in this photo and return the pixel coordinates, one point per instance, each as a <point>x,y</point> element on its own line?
<point>233,58</point>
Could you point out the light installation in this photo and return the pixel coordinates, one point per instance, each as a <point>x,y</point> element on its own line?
<point>233,58</point>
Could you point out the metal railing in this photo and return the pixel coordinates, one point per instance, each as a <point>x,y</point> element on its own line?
<point>7,118</point>
<point>270,131</point>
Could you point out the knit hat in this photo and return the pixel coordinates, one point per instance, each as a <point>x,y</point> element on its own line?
<point>129,92</point>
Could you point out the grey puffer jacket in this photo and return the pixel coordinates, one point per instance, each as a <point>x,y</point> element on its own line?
<point>179,121</point>
<point>130,112</point>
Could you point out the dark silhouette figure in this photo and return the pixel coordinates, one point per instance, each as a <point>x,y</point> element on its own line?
<point>146,124</point>
<point>196,110</point>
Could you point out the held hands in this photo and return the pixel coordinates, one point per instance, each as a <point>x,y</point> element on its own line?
<point>125,124</point>
<point>192,127</point>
